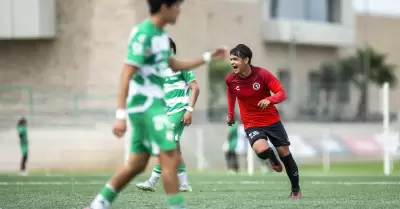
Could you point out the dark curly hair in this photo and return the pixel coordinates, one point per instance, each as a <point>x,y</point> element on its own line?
<point>242,51</point>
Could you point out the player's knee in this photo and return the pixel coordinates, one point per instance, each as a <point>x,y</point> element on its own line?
<point>264,154</point>
<point>283,151</point>
<point>137,163</point>
<point>169,159</point>
<point>260,145</point>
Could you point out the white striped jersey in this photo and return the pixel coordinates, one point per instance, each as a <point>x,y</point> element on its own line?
<point>176,90</point>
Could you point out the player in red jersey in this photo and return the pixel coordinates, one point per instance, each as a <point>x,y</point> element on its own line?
<point>252,87</point>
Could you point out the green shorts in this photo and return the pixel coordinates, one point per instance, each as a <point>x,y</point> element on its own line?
<point>177,124</point>
<point>152,130</point>
<point>24,149</point>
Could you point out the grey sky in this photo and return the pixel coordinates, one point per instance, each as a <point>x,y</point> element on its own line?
<point>384,7</point>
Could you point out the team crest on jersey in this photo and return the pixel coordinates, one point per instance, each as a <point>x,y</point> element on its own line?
<point>256,86</point>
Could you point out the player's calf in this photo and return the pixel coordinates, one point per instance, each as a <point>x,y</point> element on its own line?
<point>232,161</point>
<point>291,170</point>
<point>136,165</point>
<point>185,187</point>
<point>150,184</point>
<point>169,164</point>
<point>23,164</point>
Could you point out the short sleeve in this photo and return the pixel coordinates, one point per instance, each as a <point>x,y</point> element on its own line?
<point>188,76</point>
<point>138,49</point>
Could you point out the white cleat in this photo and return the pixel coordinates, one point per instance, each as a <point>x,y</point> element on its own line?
<point>23,173</point>
<point>146,186</point>
<point>185,188</point>
<point>232,172</point>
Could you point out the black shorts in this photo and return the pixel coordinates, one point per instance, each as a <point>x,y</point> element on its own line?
<point>276,133</point>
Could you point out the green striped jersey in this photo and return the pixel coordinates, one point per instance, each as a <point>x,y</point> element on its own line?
<point>176,90</point>
<point>149,50</point>
<point>24,133</point>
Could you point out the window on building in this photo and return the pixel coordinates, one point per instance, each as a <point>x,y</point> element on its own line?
<point>284,78</point>
<point>315,10</point>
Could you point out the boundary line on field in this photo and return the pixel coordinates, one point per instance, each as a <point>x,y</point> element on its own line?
<point>269,175</point>
<point>348,183</point>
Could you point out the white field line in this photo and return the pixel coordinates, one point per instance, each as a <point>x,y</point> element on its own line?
<point>273,175</point>
<point>349,183</point>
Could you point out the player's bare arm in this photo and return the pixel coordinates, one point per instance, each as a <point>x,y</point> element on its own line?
<point>182,65</point>
<point>194,94</point>
<point>120,124</point>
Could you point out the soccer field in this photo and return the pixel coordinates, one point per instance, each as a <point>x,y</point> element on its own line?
<point>342,188</point>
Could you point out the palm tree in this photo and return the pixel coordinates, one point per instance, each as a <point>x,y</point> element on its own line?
<point>218,70</point>
<point>366,66</point>
<point>328,76</point>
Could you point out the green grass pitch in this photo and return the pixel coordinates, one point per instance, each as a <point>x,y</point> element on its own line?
<point>346,186</point>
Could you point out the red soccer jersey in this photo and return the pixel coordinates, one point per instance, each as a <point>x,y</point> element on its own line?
<point>249,92</point>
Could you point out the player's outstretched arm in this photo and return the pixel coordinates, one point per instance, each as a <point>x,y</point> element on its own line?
<point>182,65</point>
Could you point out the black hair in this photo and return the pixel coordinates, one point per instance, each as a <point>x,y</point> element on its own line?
<point>155,5</point>
<point>242,51</point>
<point>172,45</point>
<point>22,121</point>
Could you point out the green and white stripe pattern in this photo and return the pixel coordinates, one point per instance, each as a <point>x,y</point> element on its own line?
<point>149,50</point>
<point>176,90</point>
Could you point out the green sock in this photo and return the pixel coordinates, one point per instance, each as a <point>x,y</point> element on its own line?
<point>105,197</point>
<point>181,168</point>
<point>157,168</point>
<point>175,201</point>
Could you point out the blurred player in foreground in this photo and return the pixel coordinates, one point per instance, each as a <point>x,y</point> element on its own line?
<point>141,96</point>
<point>181,93</point>
<point>236,146</point>
<point>23,141</point>
<point>252,87</point>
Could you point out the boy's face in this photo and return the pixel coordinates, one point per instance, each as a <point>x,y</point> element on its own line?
<point>238,64</point>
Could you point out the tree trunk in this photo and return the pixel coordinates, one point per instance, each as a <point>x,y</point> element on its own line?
<point>362,110</point>
<point>328,102</point>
